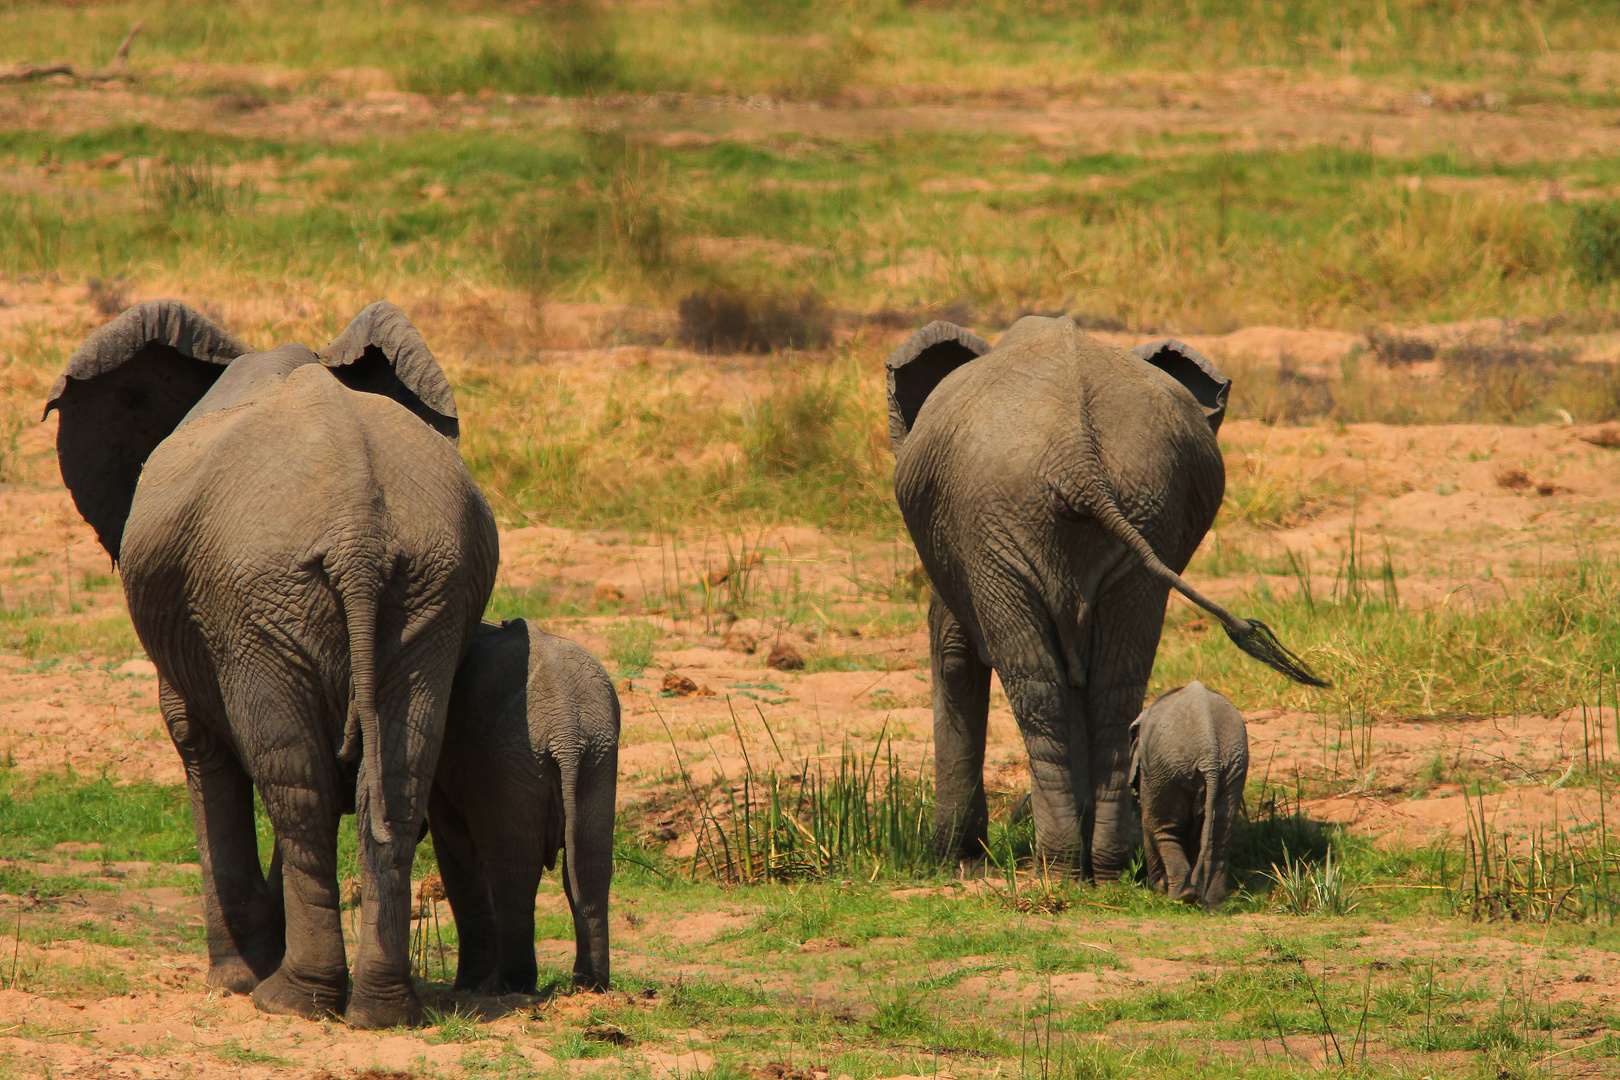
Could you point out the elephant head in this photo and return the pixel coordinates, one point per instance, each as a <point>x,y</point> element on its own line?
<point>139,377</point>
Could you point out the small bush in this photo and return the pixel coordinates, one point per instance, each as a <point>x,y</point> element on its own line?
<point>618,223</point>
<point>732,321</point>
<point>575,53</point>
<point>1391,346</point>
<point>1594,242</point>
<point>796,427</point>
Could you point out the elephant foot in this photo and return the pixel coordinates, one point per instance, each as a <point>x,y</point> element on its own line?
<point>285,995</point>
<point>1023,810</point>
<point>395,1007</point>
<point>235,974</point>
<point>588,980</point>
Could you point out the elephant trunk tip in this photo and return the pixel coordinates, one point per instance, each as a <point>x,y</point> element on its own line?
<point>1258,640</point>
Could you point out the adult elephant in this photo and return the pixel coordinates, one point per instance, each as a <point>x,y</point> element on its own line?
<point>305,559</point>
<point>1055,486</point>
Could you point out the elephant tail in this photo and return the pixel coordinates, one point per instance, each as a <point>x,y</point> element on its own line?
<point>1251,635</point>
<point>1206,844</point>
<point>362,731</point>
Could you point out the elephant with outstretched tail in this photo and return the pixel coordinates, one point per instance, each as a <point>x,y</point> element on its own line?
<point>306,560</point>
<point>1055,487</point>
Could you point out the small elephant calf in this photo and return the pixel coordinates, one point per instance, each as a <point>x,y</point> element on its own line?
<point>1190,762</point>
<point>529,767</point>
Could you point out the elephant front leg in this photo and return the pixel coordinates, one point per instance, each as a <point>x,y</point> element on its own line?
<point>242,910</point>
<point>961,692</point>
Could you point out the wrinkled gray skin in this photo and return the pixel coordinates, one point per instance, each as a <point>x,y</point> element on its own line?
<point>530,766</point>
<point>305,559</point>
<point>1054,486</point>
<point>1190,763</point>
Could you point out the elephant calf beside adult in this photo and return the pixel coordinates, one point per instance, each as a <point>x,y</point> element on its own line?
<point>305,559</point>
<point>1055,487</point>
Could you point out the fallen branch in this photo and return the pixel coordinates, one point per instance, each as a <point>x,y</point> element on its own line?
<point>30,72</point>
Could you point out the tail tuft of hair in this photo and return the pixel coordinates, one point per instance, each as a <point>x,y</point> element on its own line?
<point>1259,642</point>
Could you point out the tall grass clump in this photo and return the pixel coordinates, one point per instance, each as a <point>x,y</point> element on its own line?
<point>1594,241</point>
<point>175,187</point>
<point>866,815</point>
<point>1549,873</point>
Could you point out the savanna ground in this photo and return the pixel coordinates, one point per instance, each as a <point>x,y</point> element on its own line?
<point>662,248</point>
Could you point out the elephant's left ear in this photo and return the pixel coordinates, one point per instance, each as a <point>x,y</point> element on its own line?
<point>1191,369</point>
<point>919,364</point>
<point>382,353</point>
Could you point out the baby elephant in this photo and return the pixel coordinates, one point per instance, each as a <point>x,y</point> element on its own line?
<point>1190,763</point>
<point>529,766</point>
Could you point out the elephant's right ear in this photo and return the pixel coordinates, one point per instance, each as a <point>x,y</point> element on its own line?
<point>1191,369</point>
<point>382,353</point>
<point>124,391</point>
<point>919,364</point>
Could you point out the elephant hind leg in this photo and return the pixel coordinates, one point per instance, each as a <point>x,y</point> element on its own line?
<point>961,691</point>
<point>242,908</point>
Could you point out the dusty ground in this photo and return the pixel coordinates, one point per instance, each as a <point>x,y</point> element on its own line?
<point>1435,495</point>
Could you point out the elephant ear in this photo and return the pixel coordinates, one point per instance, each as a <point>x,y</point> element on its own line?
<point>1191,369</point>
<point>919,364</point>
<point>124,391</point>
<point>382,353</point>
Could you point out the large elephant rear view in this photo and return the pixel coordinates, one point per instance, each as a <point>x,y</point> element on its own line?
<point>1055,487</point>
<point>306,560</point>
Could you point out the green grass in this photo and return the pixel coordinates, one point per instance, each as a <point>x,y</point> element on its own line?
<point>947,976</point>
<point>809,49</point>
<point>1202,239</point>
<point>138,820</point>
<point>1537,650</point>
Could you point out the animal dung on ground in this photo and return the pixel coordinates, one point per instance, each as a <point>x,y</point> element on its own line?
<point>1513,478</point>
<point>681,686</point>
<point>784,657</point>
<point>608,593</point>
<point>741,641</point>
<point>776,1070</point>
<point>608,1033</point>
